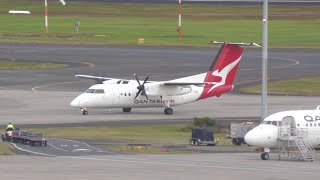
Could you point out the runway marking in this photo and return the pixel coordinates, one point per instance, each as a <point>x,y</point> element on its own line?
<point>33,152</point>
<point>46,85</point>
<point>296,62</point>
<point>197,165</point>
<point>58,148</point>
<point>91,65</point>
<point>98,150</point>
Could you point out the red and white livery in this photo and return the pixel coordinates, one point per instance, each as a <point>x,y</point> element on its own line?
<point>128,94</point>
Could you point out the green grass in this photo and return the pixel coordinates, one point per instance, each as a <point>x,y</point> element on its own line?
<point>302,86</point>
<point>148,134</point>
<point>123,24</point>
<point>27,65</point>
<point>143,149</point>
<point>5,149</point>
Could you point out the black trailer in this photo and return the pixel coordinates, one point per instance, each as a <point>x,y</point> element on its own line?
<point>202,136</point>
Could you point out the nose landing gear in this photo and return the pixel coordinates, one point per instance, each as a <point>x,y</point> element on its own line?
<point>84,111</point>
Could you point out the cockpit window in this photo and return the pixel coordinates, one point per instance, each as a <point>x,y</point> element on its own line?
<point>99,91</point>
<point>275,123</point>
<point>96,91</point>
<point>90,91</point>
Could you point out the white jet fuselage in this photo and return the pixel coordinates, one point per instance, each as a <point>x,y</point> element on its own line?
<point>267,133</point>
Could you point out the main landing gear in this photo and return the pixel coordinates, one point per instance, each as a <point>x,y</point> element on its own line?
<point>126,109</point>
<point>168,111</point>
<point>84,111</point>
<point>265,155</point>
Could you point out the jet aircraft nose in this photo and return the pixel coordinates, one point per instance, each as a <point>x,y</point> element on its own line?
<point>262,136</point>
<point>251,138</point>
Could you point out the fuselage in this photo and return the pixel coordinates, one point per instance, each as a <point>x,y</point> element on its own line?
<point>266,134</point>
<point>123,96</point>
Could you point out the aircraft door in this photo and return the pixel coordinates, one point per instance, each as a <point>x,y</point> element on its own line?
<point>116,95</point>
<point>288,126</point>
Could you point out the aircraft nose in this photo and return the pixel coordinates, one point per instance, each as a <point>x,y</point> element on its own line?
<point>250,138</point>
<point>75,102</point>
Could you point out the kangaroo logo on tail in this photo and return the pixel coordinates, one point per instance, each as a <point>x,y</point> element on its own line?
<point>222,72</point>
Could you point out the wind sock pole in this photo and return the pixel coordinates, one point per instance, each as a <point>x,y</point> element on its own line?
<point>46,15</point>
<point>179,25</point>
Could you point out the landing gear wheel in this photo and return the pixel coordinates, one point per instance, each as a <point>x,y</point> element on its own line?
<point>84,112</point>
<point>196,143</point>
<point>236,142</point>
<point>126,109</point>
<point>265,156</point>
<point>168,111</point>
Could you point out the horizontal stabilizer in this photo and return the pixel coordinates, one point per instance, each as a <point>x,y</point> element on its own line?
<point>240,44</point>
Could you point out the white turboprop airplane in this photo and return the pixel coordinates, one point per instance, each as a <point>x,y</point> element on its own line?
<point>286,125</point>
<point>127,94</point>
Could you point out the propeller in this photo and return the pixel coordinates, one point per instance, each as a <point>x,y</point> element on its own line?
<point>141,87</point>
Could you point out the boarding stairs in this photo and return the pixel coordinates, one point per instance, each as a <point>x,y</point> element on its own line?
<point>293,144</point>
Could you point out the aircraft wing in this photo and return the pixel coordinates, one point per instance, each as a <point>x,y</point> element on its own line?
<point>183,83</point>
<point>97,78</point>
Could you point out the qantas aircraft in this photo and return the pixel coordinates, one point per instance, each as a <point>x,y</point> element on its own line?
<point>292,125</point>
<point>128,94</point>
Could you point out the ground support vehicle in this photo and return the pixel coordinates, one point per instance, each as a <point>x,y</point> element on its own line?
<point>202,136</point>
<point>7,136</point>
<point>36,139</point>
<point>239,130</point>
<point>28,137</point>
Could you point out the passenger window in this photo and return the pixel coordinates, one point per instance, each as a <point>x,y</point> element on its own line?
<point>90,91</point>
<point>121,94</point>
<point>129,94</point>
<point>307,124</point>
<point>318,124</point>
<point>99,91</point>
<point>298,124</point>
<point>125,94</point>
<point>310,124</point>
<point>315,124</point>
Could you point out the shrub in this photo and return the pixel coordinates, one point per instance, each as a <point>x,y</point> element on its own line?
<point>204,122</point>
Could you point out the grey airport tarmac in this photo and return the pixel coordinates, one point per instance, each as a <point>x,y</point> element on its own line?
<point>41,98</point>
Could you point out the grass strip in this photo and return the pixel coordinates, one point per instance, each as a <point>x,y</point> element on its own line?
<point>27,65</point>
<point>148,133</point>
<point>301,86</point>
<point>5,149</point>
<point>123,24</point>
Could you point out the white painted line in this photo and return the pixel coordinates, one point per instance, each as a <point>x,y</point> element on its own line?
<point>33,152</point>
<point>98,150</point>
<point>58,148</point>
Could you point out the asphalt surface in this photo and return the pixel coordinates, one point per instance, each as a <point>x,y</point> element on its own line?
<point>43,96</point>
<point>240,166</point>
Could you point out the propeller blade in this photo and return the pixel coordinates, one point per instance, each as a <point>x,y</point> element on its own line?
<point>145,80</point>
<point>137,79</point>
<point>144,92</point>
<point>138,93</point>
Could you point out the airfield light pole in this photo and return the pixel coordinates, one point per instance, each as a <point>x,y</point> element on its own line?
<point>264,89</point>
<point>179,17</point>
<point>46,13</point>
